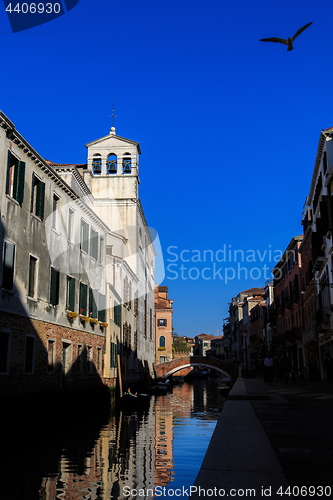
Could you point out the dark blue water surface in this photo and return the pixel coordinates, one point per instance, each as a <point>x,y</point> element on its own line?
<point>154,452</point>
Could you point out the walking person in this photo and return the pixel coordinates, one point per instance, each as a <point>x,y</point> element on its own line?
<point>269,364</point>
<point>285,368</point>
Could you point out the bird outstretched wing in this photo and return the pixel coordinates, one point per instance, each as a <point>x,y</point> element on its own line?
<point>300,31</point>
<point>276,40</point>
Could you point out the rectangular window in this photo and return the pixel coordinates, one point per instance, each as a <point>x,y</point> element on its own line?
<point>29,354</point>
<point>32,276</point>
<point>94,244</point>
<point>83,299</point>
<point>37,197</point>
<point>162,322</point>
<point>70,297</point>
<point>4,351</point>
<point>162,359</point>
<point>8,265</point>
<point>54,288</point>
<point>101,250</point>
<point>15,178</point>
<point>50,356</point>
<point>84,236</point>
<point>70,225</point>
<point>114,353</point>
<point>55,207</point>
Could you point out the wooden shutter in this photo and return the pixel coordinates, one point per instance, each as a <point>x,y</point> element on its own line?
<point>112,355</point>
<point>54,289</point>
<point>83,298</point>
<point>32,192</point>
<point>20,181</point>
<point>8,170</point>
<point>40,199</point>
<point>71,293</point>
<point>15,180</point>
<point>32,269</point>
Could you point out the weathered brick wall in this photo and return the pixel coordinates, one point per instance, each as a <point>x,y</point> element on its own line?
<point>41,380</point>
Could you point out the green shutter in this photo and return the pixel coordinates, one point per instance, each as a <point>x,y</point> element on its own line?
<point>40,201</point>
<point>32,192</point>
<point>83,298</point>
<point>54,289</point>
<point>32,277</point>
<point>71,293</point>
<point>91,299</point>
<point>8,171</point>
<point>15,181</point>
<point>112,355</point>
<point>20,181</point>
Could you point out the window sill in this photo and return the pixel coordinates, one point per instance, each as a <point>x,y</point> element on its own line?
<point>36,217</point>
<point>13,200</point>
<point>32,299</point>
<point>55,231</point>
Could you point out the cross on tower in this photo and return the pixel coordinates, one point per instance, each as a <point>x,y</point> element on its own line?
<point>113,116</point>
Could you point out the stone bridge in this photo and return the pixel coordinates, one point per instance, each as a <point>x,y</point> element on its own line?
<point>164,370</point>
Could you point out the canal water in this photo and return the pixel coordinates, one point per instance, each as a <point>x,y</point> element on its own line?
<point>132,454</point>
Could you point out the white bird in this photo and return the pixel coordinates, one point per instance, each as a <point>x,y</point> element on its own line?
<point>289,41</point>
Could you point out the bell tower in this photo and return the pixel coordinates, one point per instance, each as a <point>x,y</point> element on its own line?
<point>113,167</point>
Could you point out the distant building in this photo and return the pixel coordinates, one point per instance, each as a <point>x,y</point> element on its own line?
<point>287,298</point>
<point>217,347</point>
<point>202,344</point>
<point>236,326</point>
<point>163,325</point>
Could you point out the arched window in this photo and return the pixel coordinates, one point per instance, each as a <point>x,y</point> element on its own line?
<point>97,164</point>
<point>162,341</point>
<point>127,163</point>
<point>112,164</point>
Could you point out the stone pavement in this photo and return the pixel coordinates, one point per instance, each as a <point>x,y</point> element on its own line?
<point>298,421</point>
<point>269,437</point>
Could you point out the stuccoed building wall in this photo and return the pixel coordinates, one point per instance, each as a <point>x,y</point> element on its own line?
<point>52,264</point>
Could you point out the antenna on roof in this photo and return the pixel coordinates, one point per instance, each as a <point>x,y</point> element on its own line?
<point>113,116</point>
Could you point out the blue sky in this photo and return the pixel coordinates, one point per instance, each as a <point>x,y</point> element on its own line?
<point>228,126</point>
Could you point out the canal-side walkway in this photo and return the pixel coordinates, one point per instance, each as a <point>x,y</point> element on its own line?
<point>269,437</point>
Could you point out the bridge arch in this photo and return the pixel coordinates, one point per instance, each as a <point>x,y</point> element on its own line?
<point>168,368</point>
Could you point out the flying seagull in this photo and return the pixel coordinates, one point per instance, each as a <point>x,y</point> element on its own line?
<point>289,41</point>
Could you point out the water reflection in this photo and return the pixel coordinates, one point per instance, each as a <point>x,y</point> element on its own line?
<point>104,458</point>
